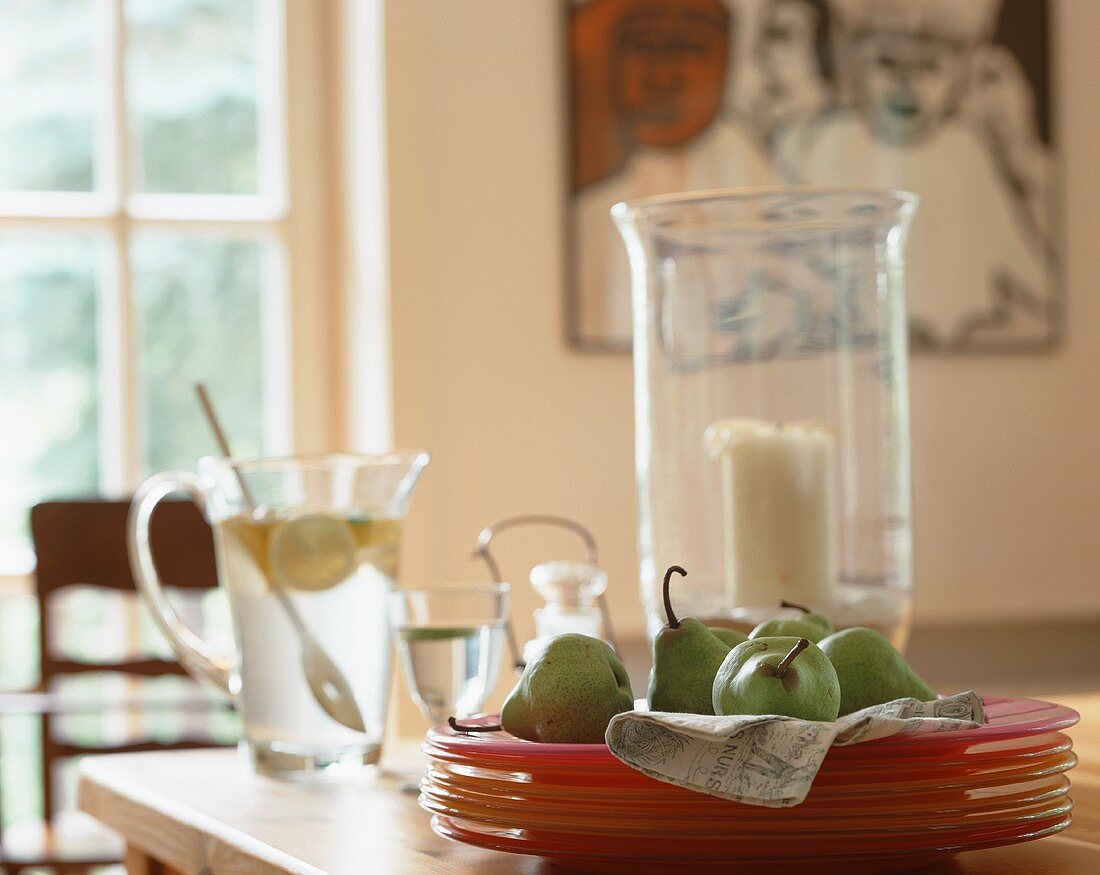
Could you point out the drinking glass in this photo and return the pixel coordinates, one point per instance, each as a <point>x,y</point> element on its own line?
<point>307,552</point>
<point>450,641</point>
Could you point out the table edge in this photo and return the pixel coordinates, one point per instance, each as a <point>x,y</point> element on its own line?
<point>172,832</point>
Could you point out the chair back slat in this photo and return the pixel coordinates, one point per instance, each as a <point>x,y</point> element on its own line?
<point>83,543</point>
<point>142,667</point>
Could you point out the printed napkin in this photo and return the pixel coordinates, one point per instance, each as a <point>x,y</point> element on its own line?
<point>768,760</point>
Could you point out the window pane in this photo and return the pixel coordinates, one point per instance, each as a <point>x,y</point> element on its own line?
<point>47,95</point>
<point>198,306</point>
<point>48,387</point>
<point>192,85</point>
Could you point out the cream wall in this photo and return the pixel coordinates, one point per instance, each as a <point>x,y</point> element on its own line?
<point>1007,479</point>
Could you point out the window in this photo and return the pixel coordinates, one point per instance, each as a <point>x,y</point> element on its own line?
<point>147,241</point>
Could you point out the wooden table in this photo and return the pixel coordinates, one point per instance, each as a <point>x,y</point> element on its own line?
<point>203,813</point>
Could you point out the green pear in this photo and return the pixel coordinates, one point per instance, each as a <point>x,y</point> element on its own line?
<point>810,625</point>
<point>568,693</point>
<point>686,655</point>
<point>786,676</point>
<point>730,637</point>
<point>871,671</point>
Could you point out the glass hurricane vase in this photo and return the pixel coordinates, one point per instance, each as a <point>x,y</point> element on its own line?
<point>772,438</point>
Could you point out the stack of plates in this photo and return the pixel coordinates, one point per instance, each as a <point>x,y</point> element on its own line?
<point>891,805</point>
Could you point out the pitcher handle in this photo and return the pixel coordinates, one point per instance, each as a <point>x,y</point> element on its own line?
<point>194,654</point>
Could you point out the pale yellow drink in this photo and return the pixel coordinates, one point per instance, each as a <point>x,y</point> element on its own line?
<point>337,571</point>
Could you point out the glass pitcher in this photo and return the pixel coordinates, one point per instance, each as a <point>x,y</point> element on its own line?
<point>307,553</point>
<point>771,403</point>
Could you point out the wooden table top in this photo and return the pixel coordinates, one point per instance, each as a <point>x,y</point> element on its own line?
<point>204,812</point>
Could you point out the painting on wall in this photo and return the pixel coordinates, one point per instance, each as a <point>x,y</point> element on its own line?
<point>951,99</point>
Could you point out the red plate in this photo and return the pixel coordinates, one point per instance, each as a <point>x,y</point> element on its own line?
<point>932,795</point>
<point>1006,719</point>
<point>591,854</point>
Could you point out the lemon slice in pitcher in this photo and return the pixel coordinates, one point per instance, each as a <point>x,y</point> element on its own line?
<point>312,552</point>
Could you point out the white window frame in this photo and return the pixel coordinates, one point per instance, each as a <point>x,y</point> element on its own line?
<point>305,338</point>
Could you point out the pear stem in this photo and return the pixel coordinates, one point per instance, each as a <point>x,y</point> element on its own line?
<point>785,663</point>
<point>786,604</point>
<point>673,620</point>
<point>471,727</point>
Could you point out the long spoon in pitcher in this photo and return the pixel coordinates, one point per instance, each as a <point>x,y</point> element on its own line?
<point>327,683</point>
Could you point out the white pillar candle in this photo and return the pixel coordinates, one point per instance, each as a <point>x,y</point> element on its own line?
<point>778,492</point>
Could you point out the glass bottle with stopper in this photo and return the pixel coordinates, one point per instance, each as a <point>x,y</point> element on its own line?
<point>574,590</point>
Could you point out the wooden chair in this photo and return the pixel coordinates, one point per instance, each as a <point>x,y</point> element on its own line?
<point>82,544</point>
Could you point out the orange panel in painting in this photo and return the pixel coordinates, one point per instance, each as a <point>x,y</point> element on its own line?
<point>642,73</point>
